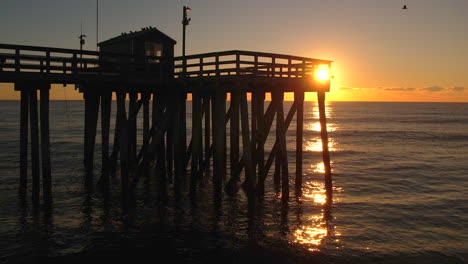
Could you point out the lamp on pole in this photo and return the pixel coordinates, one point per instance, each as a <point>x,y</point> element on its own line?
<point>185,22</point>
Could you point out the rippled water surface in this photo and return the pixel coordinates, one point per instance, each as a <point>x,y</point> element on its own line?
<point>400,180</point>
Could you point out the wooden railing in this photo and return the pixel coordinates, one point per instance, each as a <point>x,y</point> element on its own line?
<point>245,63</point>
<point>32,59</point>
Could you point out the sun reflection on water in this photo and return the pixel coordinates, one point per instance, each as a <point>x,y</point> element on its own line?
<point>312,234</point>
<point>315,145</point>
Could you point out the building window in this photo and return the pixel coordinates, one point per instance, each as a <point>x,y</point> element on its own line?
<point>153,49</point>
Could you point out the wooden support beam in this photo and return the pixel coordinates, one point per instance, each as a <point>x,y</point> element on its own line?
<point>145,96</point>
<point>179,147</point>
<point>248,159</point>
<point>170,149</point>
<point>274,150</point>
<point>87,115</point>
<point>260,137</point>
<point>282,151</point>
<point>116,146</point>
<point>24,142</point>
<point>299,101</point>
<point>106,107</point>
<point>183,116</point>
<point>35,167</point>
<point>219,140</point>
<point>45,146</point>
<point>325,150</point>
<point>124,148</point>
<point>91,123</point>
<point>253,120</point>
<point>260,150</point>
<point>196,141</point>
<point>233,184</point>
<point>207,157</point>
<point>132,126</point>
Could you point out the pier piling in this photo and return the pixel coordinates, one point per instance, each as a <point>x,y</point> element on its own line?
<point>207,79</point>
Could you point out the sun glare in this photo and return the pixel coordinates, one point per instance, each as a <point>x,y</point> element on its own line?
<point>322,75</point>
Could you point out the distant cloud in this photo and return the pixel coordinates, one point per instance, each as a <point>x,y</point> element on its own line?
<point>433,89</point>
<point>401,89</point>
<point>458,89</point>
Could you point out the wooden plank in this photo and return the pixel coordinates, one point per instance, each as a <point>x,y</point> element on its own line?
<point>45,146</point>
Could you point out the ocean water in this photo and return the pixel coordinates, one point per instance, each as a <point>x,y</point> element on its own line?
<point>400,176</point>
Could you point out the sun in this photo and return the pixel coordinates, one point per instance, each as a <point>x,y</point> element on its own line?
<point>322,75</point>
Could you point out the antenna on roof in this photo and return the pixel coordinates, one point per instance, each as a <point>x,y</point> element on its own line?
<point>97,24</point>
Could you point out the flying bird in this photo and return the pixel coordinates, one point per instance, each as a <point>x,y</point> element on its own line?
<point>404,7</point>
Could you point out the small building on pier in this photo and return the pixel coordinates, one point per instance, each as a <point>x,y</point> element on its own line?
<point>148,41</point>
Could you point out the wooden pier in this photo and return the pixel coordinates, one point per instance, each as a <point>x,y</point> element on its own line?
<point>164,85</point>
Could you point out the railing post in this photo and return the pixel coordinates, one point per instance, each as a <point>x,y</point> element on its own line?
<point>17,60</point>
<point>47,61</point>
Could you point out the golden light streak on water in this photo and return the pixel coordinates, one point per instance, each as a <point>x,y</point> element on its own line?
<point>315,145</point>
<point>315,126</point>
<point>312,234</point>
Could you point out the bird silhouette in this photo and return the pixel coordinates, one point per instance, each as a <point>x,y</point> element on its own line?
<point>404,7</point>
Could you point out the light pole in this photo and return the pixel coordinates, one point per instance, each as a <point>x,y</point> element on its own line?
<point>185,22</point>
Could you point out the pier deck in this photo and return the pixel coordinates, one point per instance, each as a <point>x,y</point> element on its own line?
<point>167,150</point>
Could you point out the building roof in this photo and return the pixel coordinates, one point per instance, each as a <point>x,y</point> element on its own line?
<point>132,35</point>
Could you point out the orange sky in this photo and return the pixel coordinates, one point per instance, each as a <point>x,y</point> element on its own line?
<point>379,51</point>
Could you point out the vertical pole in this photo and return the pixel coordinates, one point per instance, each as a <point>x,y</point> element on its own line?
<point>248,159</point>
<point>106,98</point>
<point>219,158</point>
<point>281,156</point>
<point>234,133</point>
<point>145,97</point>
<point>132,126</point>
<point>261,144</point>
<point>206,105</point>
<point>34,147</point>
<point>124,147</point>
<point>87,115</point>
<point>253,117</point>
<point>277,172</point>
<point>299,99</point>
<point>179,150</point>
<point>45,145</point>
<point>24,142</point>
<point>93,98</point>
<point>183,116</point>
<point>170,144</point>
<point>116,147</point>
<point>196,141</point>
<point>325,151</point>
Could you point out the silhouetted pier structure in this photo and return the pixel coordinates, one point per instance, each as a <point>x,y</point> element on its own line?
<point>163,83</point>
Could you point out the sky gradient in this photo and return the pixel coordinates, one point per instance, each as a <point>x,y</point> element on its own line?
<point>380,52</point>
